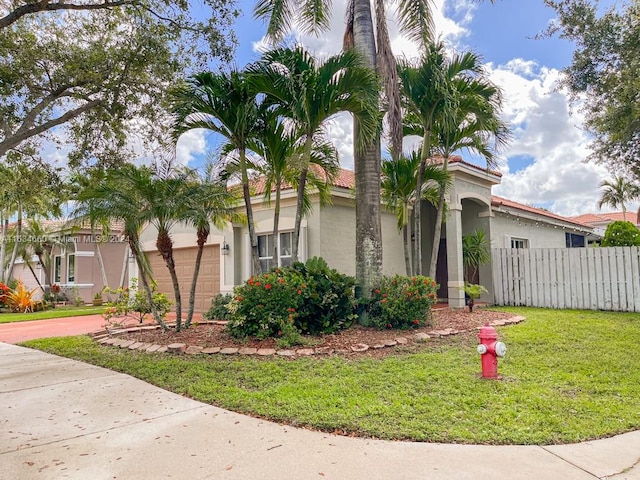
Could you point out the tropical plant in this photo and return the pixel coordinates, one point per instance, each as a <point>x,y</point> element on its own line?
<point>401,302</point>
<point>4,292</point>
<point>475,253</point>
<point>472,292</point>
<point>22,300</point>
<point>207,201</point>
<point>117,197</point>
<point>134,303</point>
<point>309,93</point>
<point>617,193</point>
<point>399,180</point>
<point>226,104</point>
<point>621,234</point>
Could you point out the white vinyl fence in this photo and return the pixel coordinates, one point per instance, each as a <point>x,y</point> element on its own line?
<point>582,278</point>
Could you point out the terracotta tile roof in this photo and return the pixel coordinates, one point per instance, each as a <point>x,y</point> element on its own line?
<point>344,179</point>
<point>503,202</point>
<point>607,217</point>
<point>458,159</point>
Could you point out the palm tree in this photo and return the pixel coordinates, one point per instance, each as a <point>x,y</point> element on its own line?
<point>475,253</point>
<point>427,95</point>
<point>117,197</point>
<point>208,201</point>
<point>617,193</point>
<point>309,93</point>
<point>226,104</point>
<point>399,180</point>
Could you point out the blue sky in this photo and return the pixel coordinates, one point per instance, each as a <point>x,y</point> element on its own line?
<point>544,165</point>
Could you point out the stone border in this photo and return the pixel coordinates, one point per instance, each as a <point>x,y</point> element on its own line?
<point>105,338</point>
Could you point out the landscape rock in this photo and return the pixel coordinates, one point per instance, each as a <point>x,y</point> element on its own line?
<point>265,352</point>
<point>247,351</point>
<point>176,348</point>
<point>229,351</point>
<point>211,350</point>
<point>305,351</point>
<point>193,350</point>
<point>359,347</point>
<point>286,353</point>
<point>422,337</point>
<point>402,340</point>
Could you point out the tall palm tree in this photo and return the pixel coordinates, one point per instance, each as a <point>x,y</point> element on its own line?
<point>399,181</point>
<point>207,201</point>
<point>617,193</point>
<point>226,104</point>
<point>427,95</point>
<point>117,197</point>
<point>375,46</point>
<point>309,93</point>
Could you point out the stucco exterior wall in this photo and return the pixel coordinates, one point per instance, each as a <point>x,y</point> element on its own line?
<point>537,233</point>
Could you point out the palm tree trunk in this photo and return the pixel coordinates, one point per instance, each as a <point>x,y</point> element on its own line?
<point>367,169</point>
<point>202,239</point>
<point>407,255</point>
<point>133,246</point>
<point>417,228</point>
<point>276,223</point>
<point>255,259</point>
<point>3,249</point>
<point>437,231</point>
<point>16,245</point>
<point>165,247</point>
<point>300,200</point>
<point>35,276</point>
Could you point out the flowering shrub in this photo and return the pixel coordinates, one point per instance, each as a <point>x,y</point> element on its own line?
<point>4,294</point>
<point>401,302</point>
<point>310,297</point>
<point>218,309</point>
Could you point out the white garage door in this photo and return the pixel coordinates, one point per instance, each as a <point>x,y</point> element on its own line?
<point>185,259</point>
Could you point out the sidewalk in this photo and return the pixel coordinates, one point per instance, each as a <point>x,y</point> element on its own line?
<point>65,419</point>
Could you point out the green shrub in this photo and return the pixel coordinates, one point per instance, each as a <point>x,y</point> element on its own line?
<point>621,234</point>
<point>401,302</point>
<point>310,297</point>
<point>136,305</point>
<point>219,310</point>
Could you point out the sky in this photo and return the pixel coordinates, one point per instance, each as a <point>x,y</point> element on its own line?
<point>544,165</point>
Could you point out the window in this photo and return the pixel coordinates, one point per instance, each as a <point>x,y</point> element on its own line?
<point>573,240</point>
<point>519,243</point>
<point>57,267</point>
<point>265,251</point>
<point>71,269</point>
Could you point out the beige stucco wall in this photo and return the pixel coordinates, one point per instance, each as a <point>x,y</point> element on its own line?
<point>538,233</point>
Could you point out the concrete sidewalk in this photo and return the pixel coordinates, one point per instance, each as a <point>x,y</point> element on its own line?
<point>64,419</point>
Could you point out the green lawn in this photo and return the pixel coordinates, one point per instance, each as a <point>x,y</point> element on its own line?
<point>568,376</point>
<point>58,312</point>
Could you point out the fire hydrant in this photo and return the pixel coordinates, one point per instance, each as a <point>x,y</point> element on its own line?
<point>490,349</point>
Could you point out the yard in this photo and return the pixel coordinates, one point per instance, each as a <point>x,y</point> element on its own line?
<point>58,312</point>
<point>568,376</point>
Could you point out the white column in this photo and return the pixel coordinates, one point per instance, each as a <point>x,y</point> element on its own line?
<point>454,257</point>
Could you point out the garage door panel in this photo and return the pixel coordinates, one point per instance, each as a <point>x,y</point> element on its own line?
<point>208,278</point>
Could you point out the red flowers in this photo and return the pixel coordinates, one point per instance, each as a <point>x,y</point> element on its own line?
<point>268,286</point>
<point>416,322</point>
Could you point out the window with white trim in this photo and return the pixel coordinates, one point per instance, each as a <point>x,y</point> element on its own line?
<point>265,250</point>
<point>71,268</point>
<point>519,243</point>
<point>57,269</point>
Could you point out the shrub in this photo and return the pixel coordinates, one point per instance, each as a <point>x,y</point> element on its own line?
<point>401,302</point>
<point>311,297</point>
<point>21,300</point>
<point>136,305</point>
<point>621,234</point>
<point>218,309</point>
<point>4,294</point>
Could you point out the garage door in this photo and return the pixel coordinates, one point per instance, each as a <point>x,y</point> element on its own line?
<point>185,258</point>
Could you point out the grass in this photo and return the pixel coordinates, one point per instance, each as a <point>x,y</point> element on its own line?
<point>58,312</point>
<point>568,376</point>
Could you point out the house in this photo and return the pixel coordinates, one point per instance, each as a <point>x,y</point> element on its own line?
<point>72,260</point>
<point>329,232</point>
<point>600,221</point>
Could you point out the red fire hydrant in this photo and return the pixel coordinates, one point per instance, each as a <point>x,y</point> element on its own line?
<point>490,349</point>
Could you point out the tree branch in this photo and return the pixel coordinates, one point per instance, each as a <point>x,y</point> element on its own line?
<point>45,6</point>
<point>14,140</point>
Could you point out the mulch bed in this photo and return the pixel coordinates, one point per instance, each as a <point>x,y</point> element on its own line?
<point>214,335</point>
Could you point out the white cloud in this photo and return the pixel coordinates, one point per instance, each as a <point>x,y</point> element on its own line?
<point>191,144</point>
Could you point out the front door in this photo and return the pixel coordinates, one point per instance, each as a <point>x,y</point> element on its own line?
<point>442,274</point>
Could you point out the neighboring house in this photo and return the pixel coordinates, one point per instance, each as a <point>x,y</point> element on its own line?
<point>73,262</point>
<point>600,221</point>
<point>329,232</point>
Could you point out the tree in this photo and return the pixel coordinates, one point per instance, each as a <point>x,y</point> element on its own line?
<point>309,93</point>
<point>208,201</point>
<point>621,234</point>
<point>110,81</point>
<point>117,197</point>
<point>226,104</point>
<point>604,75</point>
<point>617,193</point>
<point>375,47</point>
<point>475,253</point>
<point>399,181</point>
